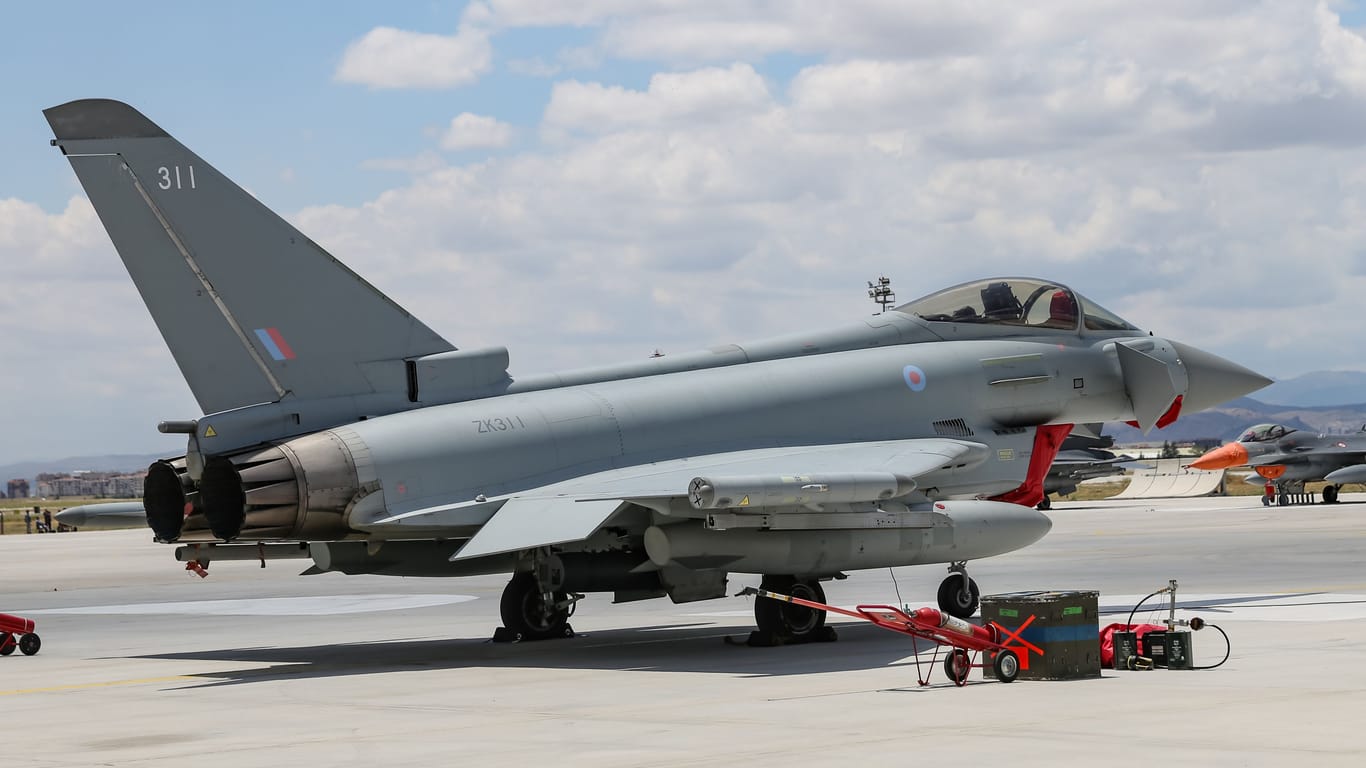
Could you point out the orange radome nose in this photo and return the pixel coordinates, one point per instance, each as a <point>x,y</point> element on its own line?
<point>1230,455</point>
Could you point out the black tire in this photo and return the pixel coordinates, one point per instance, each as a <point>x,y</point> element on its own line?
<point>1044,505</point>
<point>29,644</point>
<point>786,620</point>
<point>1006,665</point>
<point>1330,494</point>
<point>522,609</point>
<point>954,602</point>
<point>957,665</point>
<point>7,644</point>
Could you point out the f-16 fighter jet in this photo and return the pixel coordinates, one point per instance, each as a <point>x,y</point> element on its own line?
<point>340,428</point>
<point>1290,457</point>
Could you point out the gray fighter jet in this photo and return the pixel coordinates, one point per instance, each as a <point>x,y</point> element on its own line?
<point>1290,457</point>
<point>1084,455</point>
<point>341,429</point>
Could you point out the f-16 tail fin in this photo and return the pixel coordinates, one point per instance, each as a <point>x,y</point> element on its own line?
<point>252,310</point>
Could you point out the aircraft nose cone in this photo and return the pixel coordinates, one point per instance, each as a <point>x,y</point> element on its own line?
<point>74,517</point>
<point>1214,380</point>
<point>1223,457</point>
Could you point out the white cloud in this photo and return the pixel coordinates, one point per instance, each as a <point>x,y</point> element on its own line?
<point>470,131</point>
<point>1195,167</point>
<point>74,342</point>
<point>683,99</point>
<point>394,58</point>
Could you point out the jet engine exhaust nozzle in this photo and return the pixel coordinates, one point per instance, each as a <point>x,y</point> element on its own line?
<point>296,489</point>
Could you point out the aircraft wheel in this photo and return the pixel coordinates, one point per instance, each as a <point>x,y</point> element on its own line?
<point>954,601</point>
<point>7,644</point>
<point>957,665</point>
<point>786,620</point>
<point>1330,494</point>
<point>29,644</point>
<point>1006,665</point>
<point>524,611</point>
<point>1044,505</point>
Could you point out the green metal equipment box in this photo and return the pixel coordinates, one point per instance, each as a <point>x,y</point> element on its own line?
<point>1056,634</point>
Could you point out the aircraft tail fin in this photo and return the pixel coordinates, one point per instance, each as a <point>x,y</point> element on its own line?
<point>252,310</point>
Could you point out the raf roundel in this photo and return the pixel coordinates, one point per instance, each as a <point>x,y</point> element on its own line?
<point>915,378</point>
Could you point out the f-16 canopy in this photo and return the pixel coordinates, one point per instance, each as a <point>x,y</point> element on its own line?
<point>1262,433</point>
<point>1016,301</point>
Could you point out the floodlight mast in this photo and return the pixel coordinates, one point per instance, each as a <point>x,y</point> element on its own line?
<point>881,292</point>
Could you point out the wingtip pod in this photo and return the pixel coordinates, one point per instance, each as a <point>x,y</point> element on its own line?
<point>1223,457</point>
<point>99,119</point>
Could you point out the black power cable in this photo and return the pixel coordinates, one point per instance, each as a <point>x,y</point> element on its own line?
<point>1228,644</point>
<point>1130,623</point>
<point>1228,648</point>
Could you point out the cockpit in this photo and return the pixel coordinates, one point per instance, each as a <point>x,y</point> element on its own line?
<point>1020,302</point>
<point>1262,433</point>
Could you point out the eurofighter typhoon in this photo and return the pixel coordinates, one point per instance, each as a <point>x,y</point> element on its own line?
<point>341,429</point>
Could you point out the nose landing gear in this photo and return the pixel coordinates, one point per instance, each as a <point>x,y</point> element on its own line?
<point>958,594</point>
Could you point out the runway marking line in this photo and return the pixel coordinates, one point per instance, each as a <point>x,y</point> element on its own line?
<point>105,684</point>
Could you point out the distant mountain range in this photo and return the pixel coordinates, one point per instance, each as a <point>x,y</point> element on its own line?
<point>1228,421</point>
<point>117,462</point>
<point>1317,388</point>
<point>1319,401</point>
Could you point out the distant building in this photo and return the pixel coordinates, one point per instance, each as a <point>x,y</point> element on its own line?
<point>17,489</point>
<point>108,485</point>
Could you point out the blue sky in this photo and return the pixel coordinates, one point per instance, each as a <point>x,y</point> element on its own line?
<point>252,82</point>
<point>676,175</point>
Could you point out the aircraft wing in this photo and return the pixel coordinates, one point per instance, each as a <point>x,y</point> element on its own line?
<point>574,509</point>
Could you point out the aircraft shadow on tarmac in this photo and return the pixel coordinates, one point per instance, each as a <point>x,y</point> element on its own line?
<point>700,647</point>
<point>671,648</point>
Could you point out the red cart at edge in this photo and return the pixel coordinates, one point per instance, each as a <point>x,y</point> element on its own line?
<point>17,632</point>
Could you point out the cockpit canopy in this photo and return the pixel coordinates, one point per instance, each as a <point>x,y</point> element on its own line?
<point>1015,301</point>
<point>1262,433</point>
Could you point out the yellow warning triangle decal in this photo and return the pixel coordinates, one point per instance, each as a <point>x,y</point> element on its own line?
<point>743,502</point>
<point>208,431</point>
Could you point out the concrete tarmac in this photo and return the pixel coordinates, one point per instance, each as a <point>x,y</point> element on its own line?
<point>144,664</point>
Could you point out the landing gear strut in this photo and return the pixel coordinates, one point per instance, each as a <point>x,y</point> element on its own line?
<point>528,613</point>
<point>780,622</point>
<point>958,594</point>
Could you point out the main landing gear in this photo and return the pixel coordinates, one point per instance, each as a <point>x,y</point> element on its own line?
<point>1330,494</point>
<point>781,623</point>
<point>529,613</point>
<point>958,594</point>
